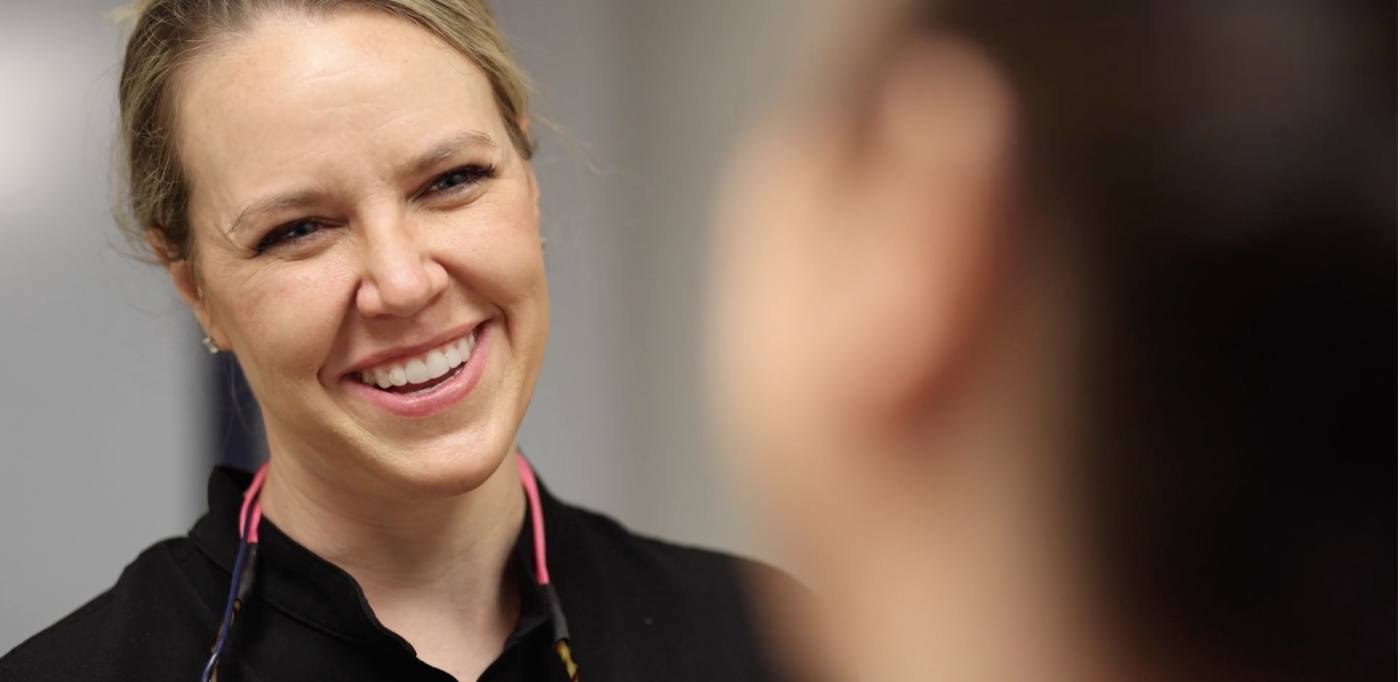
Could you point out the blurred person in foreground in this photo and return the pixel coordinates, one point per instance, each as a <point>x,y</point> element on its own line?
<point>1056,341</point>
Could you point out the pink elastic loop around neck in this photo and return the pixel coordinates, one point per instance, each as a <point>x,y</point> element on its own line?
<point>532,496</point>
<point>527,479</point>
<point>250,497</point>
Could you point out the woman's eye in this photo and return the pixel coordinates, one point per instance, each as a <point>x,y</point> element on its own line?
<point>290,232</point>
<point>458,178</point>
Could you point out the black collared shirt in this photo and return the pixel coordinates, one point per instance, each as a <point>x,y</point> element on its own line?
<point>637,609</point>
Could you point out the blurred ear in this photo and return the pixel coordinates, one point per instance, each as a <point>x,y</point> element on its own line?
<point>936,155</point>
<point>182,276</point>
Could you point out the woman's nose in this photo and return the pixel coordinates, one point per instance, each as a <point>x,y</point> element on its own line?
<point>400,276</point>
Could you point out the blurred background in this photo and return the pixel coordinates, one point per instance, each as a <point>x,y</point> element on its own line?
<point>115,413</point>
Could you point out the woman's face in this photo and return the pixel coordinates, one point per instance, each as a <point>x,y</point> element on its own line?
<point>361,219</point>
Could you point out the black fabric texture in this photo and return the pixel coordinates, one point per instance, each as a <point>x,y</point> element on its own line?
<point>637,609</point>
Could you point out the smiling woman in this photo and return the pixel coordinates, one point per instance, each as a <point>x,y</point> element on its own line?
<point>342,193</point>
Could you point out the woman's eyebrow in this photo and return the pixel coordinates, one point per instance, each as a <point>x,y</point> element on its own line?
<point>275,202</point>
<point>445,149</point>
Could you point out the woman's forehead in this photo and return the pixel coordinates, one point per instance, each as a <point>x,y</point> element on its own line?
<point>297,95</point>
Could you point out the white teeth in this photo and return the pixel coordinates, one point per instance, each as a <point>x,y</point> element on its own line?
<point>417,371</point>
<point>437,364</point>
<point>430,365</point>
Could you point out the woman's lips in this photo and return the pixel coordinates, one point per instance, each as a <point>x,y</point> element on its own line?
<point>434,395</point>
<point>417,372</point>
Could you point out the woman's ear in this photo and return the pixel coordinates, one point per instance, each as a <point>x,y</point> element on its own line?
<point>938,145</point>
<point>182,276</point>
<point>862,251</point>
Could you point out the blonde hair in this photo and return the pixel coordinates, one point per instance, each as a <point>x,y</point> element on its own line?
<point>168,34</point>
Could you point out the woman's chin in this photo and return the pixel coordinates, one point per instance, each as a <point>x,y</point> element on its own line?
<point>448,467</point>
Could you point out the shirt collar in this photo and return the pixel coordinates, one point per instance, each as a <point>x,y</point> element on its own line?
<point>308,588</point>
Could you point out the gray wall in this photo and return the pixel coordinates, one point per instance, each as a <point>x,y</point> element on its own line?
<point>105,424</point>
<point>101,417</point>
<point>647,97</point>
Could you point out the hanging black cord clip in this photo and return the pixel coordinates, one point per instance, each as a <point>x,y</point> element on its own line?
<point>240,585</point>
<point>561,632</point>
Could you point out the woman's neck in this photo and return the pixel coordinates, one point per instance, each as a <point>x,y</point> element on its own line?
<point>437,572</point>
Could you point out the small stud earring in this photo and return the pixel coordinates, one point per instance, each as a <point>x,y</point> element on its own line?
<point>209,346</point>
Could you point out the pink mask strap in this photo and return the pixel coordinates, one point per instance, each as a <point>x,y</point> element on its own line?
<point>250,498</point>
<point>248,526</point>
<point>532,496</point>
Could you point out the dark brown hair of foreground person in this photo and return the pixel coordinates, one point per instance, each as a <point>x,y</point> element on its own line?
<point>1232,169</point>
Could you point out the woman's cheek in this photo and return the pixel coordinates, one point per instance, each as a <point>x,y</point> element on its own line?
<point>498,253</point>
<point>292,319</point>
